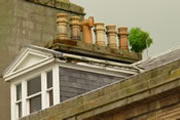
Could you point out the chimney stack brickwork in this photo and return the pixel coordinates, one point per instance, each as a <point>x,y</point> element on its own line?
<point>79,26</point>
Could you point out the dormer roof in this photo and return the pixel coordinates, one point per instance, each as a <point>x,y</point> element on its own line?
<point>33,57</point>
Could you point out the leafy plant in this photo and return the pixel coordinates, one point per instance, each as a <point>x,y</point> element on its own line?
<point>139,40</point>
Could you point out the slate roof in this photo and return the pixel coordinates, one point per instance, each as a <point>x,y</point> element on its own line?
<point>160,60</point>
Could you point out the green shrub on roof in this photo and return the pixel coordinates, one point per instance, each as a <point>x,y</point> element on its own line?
<point>139,40</point>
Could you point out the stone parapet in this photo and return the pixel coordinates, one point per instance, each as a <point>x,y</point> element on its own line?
<point>96,51</point>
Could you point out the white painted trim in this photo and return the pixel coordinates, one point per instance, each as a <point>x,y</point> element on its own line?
<point>43,90</point>
<point>16,61</point>
<point>13,102</point>
<point>96,60</point>
<point>106,68</point>
<point>11,66</point>
<point>23,54</point>
<point>92,69</point>
<point>23,71</point>
<point>56,85</point>
<point>24,95</point>
<point>33,95</point>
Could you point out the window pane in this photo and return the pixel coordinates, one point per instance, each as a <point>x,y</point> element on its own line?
<point>35,104</point>
<point>19,107</point>
<point>34,85</point>
<point>49,79</point>
<point>51,98</point>
<point>18,92</point>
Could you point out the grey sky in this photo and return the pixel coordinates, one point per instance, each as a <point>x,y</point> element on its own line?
<point>161,18</point>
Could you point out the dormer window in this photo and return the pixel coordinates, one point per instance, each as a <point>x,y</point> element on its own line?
<point>40,79</point>
<point>33,94</point>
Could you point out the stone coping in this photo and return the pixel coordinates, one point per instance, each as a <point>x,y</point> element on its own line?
<point>147,84</point>
<point>78,47</point>
<point>66,6</point>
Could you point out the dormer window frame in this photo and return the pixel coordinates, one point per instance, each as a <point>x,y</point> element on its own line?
<point>45,92</point>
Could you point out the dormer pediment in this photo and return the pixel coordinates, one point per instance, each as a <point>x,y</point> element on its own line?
<point>27,60</point>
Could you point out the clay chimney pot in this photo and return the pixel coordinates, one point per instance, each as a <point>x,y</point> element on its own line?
<point>123,38</point>
<point>123,30</point>
<point>111,35</point>
<point>75,20</point>
<point>99,26</point>
<point>99,32</point>
<point>61,18</point>
<point>86,26</point>
<point>75,27</point>
<point>62,26</point>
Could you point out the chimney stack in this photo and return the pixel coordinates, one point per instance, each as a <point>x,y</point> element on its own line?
<point>62,26</point>
<point>123,38</point>
<point>99,32</point>
<point>86,26</point>
<point>75,27</point>
<point>111,35</point>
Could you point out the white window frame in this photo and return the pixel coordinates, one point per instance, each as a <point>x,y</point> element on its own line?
<point>15,107</point>
<point>27,98</point>
<point>44,90</point>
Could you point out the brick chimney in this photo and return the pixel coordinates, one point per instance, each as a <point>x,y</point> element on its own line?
<point>86,26</point>
<point>123,38</point>
<point>85,46</point>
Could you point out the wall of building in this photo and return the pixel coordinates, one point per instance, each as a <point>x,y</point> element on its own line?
<point>24,22</point>
<point>75,82</point>
<point>164,107</point>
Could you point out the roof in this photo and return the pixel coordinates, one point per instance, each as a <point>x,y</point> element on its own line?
<point>160,60</point>
<point>150,83</point>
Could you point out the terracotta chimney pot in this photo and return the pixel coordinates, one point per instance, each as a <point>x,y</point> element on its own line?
<point>62,26</point>
<point>111,35</point>
<point>100,31</point>
<point>123,38</point>
<point>86,26</point>
<point>75,27</point>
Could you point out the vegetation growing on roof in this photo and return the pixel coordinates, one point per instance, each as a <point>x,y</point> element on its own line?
<point>139,40</point>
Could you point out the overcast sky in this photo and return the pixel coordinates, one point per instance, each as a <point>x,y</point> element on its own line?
<point>161,18</point>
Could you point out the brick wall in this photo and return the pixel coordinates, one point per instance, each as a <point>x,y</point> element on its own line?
<point>75,82</point>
